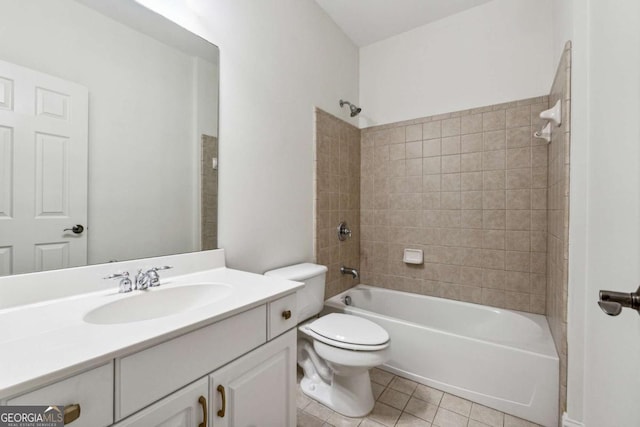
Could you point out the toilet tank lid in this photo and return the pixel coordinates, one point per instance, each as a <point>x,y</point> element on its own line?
<point>298,272</point>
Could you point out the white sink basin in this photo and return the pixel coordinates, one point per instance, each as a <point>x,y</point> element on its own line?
<point>157,302</point>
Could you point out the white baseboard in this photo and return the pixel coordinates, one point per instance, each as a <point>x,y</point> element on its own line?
<point>568,422</point>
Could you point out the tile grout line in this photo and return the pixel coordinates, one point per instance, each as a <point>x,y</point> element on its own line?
<point>412,395</point>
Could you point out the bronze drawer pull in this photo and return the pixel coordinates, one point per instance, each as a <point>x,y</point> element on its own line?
<point>286,314</point>
<point>71,413</point>
<point>203,401</point>
<point>224,401</point>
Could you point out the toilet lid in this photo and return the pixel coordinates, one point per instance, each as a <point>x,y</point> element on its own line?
<point>349,329</point>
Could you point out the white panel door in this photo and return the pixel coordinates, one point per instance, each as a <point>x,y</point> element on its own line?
<point>612,344</point>
<point>43,171</point>
<point>257,390</point>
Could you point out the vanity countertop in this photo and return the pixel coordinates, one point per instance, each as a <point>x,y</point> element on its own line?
<point>47,341</point>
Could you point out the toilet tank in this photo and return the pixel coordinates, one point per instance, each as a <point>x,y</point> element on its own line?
<point>310,299</point>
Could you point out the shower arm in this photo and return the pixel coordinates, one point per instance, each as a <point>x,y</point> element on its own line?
<point>355,110</point>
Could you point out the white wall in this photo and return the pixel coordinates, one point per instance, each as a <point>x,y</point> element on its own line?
<point>278,60</point>
<point>142,140</point>
<point>562,12</point>
<point>489,54</point>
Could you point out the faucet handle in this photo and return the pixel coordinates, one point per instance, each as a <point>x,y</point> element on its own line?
<point>125,282</point>
<point>154,277</point>
<point>142,279</point>
<point>343,231</point>
<point>117,275</point>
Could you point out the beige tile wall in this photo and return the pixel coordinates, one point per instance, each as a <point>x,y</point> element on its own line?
<point>337,198</point>
<point>468,188</point>
<point>209,194</point>
<point>558,214</point>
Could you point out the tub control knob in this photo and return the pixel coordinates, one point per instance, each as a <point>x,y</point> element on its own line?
<point>343,231</point>
<point>286,314</point>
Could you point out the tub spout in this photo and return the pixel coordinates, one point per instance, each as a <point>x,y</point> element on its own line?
<point>352,271</point>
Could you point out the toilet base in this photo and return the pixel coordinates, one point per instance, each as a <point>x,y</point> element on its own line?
<point>348,395</point>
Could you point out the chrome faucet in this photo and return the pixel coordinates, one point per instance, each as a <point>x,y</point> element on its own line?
<point>348,270</point>
<point>149,278</point>
<point>143,280</point>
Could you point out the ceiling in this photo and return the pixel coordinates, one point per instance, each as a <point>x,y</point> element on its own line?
<point>369,21</point>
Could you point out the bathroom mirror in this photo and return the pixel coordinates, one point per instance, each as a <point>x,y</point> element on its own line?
<point>108,135</point>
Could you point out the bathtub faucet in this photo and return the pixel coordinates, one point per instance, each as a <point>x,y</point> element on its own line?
<point>347,270</point>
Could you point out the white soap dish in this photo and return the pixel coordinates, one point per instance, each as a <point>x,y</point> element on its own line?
<point>413,256</point>
<point>554,114</point>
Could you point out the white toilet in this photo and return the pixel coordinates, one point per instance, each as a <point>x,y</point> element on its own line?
<point>335,351</point>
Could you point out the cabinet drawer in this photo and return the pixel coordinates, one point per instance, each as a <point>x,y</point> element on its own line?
<point>145,377</point>
<point>282,315</point>
<point>92,390</point>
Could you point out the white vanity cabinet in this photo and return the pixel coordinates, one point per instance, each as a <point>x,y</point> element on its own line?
<point>170,371</point>
<point>258,389</point>
<point>227,372</point>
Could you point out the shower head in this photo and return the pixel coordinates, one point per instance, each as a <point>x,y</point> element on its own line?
<point>354,110</point>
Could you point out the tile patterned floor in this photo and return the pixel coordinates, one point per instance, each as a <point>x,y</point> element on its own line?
<point>404,403</point>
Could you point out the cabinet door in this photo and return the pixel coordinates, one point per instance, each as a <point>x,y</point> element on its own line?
<point>258,388</point>
<point>184,408</point>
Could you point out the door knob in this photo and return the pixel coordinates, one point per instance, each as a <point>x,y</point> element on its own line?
<point>77,229</point>
<point>612,302</point>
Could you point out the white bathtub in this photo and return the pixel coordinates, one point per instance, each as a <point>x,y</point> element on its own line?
<point>500,358</point>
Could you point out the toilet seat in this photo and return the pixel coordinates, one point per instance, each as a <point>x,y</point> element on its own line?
<point>348,332</point>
